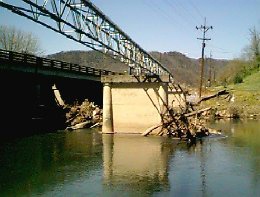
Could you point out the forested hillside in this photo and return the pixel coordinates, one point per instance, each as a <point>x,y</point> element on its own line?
<point>185,70</point>
<point>90,58</point>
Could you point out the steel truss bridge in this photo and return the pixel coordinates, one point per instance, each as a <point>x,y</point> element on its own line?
<point>83,22</point>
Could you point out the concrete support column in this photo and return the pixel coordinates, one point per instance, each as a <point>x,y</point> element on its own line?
<point>107,109</point>
<point>162,99</point>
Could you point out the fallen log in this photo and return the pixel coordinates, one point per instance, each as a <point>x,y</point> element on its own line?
<point>214,131</point>
<point>79,125</point>
<point>197,112</point>
<point>95,125</point>
<point>221,92</point>
<point>149,130</point>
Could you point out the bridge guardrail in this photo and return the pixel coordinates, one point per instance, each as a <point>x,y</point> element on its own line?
<point>32,60</point>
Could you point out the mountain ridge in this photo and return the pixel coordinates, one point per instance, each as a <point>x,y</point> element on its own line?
<point>184,69</point>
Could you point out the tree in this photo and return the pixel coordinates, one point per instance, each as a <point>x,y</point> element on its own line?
<point>253,49</point>
<point>255,43</point>
<point>233,71</point>
<point>13,39</point>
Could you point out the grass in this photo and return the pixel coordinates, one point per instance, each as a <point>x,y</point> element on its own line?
<point>251,83</point>
<point>246,97</point>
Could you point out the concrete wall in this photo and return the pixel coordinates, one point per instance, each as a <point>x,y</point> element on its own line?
<point>135,107</point>
<point>136,104</point>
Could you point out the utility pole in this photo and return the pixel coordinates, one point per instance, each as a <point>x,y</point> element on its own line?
<point>214,74</point>
<point>210,69</point>
<point>204,29</point>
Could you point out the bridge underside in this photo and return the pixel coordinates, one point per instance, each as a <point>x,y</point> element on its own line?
<point>28,102</point>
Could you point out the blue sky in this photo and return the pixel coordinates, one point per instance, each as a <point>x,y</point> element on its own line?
<point>164,25</point>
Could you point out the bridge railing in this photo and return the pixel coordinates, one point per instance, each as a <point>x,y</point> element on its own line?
<point>32,60</point>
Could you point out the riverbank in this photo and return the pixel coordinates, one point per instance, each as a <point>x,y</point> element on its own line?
<point>242,102</point>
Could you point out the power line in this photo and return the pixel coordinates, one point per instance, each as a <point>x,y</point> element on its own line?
<point>180,14</point>
<point>187,12</point>
<point>204,29</point>
<point>164,14</point>
<point>219,49</point>
<point>196,9</point>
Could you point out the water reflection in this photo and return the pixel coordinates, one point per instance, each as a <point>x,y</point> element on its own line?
<point>136,164</point>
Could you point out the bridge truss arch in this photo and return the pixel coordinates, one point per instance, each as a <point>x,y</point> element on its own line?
<point>83,22</point>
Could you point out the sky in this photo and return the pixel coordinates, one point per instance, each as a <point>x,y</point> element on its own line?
<point>163,25</point>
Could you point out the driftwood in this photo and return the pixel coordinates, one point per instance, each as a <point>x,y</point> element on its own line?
<point>151,129</point>
<point>214,131</point>
<point>182,125</point>
<point>197,112</point>
<point>95,125</point>
<point>79,125</point>
<point>221,92</point>
<point>83,115</point>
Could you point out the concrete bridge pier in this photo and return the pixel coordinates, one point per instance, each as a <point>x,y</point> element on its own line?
<point>107,110</point>
<point>132,104</point>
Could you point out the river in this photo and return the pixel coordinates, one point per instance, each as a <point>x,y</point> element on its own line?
<point>87,163</point>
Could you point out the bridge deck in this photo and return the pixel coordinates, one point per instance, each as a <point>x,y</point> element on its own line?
<point>10,60</point>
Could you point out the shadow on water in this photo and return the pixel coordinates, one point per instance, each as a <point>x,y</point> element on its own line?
<point>26,126</point>
<point>40,163</point>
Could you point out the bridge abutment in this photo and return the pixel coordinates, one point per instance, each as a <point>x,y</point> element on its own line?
<point>132,104</point>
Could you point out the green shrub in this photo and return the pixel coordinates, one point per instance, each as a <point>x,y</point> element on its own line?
<point>238,79</point>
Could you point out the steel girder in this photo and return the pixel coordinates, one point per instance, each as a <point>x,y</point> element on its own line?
<point>83,22</point>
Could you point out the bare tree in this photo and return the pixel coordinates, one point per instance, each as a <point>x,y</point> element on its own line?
<point>255,42</point>
<point>13,39</point>
<point>252,51</point>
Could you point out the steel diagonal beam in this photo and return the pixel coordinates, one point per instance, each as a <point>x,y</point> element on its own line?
<point>83,22</point>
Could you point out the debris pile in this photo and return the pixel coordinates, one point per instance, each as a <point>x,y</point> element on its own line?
<point>84,115</point>
<point>188,124</point>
